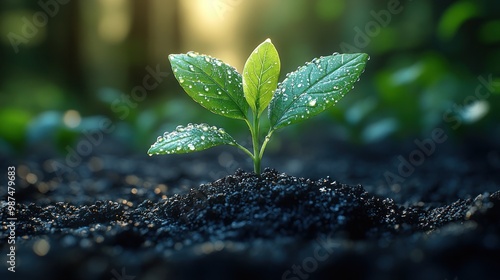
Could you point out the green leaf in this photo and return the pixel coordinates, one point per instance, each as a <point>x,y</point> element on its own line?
<point>191,138</point>
<point>314,88</point>
<point>212,83</point>
<point>260,76</point>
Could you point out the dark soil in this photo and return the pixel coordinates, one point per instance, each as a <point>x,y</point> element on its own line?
<point>200,216</point>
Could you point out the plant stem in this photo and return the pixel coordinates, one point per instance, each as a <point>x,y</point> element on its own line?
<point>244,150</point>
<point>264,144</point>
<point>256,144</point>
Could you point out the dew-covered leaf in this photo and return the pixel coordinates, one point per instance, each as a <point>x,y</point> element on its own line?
<point>212,83</point>
<point>190,138</point>
<point>314,88</point>
<point>260,76</point>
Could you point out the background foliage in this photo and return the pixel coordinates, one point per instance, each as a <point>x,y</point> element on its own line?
<point>68,65</point>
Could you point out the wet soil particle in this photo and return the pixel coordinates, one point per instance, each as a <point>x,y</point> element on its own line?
<point>272,226</point>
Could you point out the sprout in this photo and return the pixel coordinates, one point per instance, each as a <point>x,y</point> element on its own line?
<point>217,86</point>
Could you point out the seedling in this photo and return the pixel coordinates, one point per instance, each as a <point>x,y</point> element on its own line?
<point>217,86</point>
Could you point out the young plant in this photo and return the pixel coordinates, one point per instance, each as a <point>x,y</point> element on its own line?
<point>218,87</point>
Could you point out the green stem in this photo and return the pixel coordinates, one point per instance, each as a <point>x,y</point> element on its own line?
<point>244,150</point>
<point>264,144</point>
<point>256,145</point>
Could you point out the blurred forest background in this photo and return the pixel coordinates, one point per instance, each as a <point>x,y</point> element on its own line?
<point>71,68</point>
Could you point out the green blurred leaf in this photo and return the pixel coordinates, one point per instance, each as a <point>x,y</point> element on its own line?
<point>490,32</point>
<point>260,76</point>
<point>14,125</point>
<point>212,83</point>
<point>189,139</point>
<point>455,16</point>
<point>327,10</point>
<point>314,88</point>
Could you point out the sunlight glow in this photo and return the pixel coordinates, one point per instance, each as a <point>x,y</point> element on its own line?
<point>213,27</point>
<point>114,22</point>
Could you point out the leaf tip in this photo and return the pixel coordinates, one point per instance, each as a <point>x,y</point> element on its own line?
<point>171,57</point>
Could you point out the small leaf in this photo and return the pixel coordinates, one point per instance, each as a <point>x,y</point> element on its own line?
<point>314,88</point>
<point>260,76</point>
<point>191,138</point>
<point>212,83</point>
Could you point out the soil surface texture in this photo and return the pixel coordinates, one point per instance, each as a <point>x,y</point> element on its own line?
<point>201,216</point>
